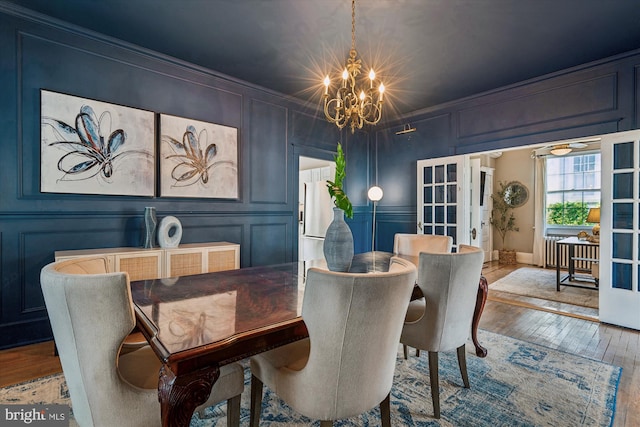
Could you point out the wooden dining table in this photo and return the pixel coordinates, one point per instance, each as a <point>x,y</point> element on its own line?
<point>195,324</point>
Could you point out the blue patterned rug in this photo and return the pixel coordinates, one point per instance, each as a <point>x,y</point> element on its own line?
<point>517,384</point>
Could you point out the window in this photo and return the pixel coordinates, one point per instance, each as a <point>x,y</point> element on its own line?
<point>573,186</point>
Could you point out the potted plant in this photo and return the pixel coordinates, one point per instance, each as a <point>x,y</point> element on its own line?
<point>503,220</point>
<point>338,241</point>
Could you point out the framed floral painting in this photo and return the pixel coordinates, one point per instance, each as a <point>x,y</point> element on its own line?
<point>198,159</point>
<point>93,147</point>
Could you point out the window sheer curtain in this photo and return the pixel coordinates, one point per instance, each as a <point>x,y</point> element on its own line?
<point>539,203</point>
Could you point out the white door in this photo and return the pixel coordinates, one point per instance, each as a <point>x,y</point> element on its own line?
<point>485,213</point>
<point>475,210</point>
<point>620,228</point>
<point>442,198</point>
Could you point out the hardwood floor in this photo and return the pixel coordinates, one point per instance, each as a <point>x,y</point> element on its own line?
<point>559,326</point>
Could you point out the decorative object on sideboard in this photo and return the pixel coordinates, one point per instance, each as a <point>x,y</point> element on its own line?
<point>169,232</point>
<point>338,241</point>
<point>502,218</point>
<point>150,224</point>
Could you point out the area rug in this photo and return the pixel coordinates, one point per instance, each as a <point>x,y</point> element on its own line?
<point>541,283</point>
<point>517,384</point>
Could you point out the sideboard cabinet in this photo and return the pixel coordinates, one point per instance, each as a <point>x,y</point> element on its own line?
<point>158,263</point>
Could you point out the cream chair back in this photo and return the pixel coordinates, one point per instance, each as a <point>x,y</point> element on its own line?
<point>354,323</point>
<point>413,244</point>
<point>91,313</point>
<point>449,283</point>
<point>442,320</point>
<point>90,316</point>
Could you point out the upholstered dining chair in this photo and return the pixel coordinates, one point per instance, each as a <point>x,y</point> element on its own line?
<point>135,339</point>
<point>411,245</point>
<point>346,365</point>
<point>442,321</point>
<point>91,315</point>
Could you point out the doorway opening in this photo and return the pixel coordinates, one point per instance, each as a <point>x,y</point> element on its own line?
<point>315,209</point>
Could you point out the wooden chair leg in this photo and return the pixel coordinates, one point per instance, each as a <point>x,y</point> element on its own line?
<point>233,411</point>
<point>404,350</point>
<point>435,389</point>
<point>417,352</point>
<point>462,363</point>
<point>385,411</point>
<point>326,423</point>
<point>256,401</point>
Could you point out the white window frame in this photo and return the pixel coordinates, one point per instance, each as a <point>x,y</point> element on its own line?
<point>562,229</point>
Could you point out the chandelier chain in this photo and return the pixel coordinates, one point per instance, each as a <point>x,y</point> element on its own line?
<point>353,24</point>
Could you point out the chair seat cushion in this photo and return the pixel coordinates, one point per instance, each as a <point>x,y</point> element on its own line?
<point>141,368</point>
<point>292,356</point>
<point>416,310</point>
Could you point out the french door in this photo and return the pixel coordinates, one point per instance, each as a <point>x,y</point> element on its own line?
<point>620,230</point>
<point>442,197</point>
<point>444,208</point>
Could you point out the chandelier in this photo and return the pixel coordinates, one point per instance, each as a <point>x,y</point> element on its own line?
<point>356,102</point>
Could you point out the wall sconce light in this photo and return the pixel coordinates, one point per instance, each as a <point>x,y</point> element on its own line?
<point>375,195</point>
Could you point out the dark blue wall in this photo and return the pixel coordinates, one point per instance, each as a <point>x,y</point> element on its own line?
<point>592,99</point>
<point>273,131</point>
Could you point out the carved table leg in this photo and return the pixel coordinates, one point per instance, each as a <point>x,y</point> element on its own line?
<point>481,299</point>
<point>180,396</point>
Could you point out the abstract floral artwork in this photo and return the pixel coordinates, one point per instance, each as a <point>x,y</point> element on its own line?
<point>93,147</point>
<point>198,159</point>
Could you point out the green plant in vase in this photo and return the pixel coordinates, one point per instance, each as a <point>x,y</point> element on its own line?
<point>340,199</point>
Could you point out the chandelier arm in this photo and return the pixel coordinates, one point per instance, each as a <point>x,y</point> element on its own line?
<point>340,118</point>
